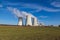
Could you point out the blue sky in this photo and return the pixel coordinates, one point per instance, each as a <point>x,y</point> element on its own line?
<point>46,11</point>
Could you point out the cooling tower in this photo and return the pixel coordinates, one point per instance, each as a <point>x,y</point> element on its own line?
<point>35,22</point>
<point>28,20</point>
<point>20,21</point>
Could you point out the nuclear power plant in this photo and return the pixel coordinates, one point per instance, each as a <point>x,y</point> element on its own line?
<point>35,22</point>
<point>31,20</point>
<point>20,21</point>
<point>28,21</point>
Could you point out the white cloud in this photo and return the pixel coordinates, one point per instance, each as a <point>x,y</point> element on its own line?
<point>37,8</point>
<point>51,9</point>
<point>43,16</point>
<point>56,4</point>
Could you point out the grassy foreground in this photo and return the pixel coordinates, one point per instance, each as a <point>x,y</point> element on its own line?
<point>29,33</point>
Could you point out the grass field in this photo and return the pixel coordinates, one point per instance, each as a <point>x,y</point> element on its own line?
<point>29,33</point>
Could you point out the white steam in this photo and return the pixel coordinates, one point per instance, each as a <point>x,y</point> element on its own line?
<point>19,13</point>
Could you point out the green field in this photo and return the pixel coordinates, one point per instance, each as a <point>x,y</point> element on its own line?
<point>29,33</point>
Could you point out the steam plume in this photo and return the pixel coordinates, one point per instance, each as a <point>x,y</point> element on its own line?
<point>19,13</point>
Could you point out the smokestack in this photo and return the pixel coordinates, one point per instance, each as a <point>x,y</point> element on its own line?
<point>20,21</point>
<point>28,20</point>
<point>35,22</point>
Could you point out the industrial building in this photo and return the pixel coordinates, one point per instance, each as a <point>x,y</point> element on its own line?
<point>28,21</point>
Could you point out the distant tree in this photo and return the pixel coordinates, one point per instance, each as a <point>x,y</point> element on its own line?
<point>59,25</point>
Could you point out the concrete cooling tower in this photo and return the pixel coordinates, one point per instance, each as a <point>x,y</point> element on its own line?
<point>35,22</point>
<point>28,20</point>
<point>20,21</point>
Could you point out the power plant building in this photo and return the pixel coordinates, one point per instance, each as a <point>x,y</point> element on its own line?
<point>20,21</point>
<point>35,22</point>
<point>28,22</point>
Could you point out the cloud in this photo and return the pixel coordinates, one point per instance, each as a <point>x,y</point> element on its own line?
<point>51,9</point>
<point>19,13</point>
<point>36,7</point>
<point>47,9</point>
<point>56,4</point>
<point>10,3</point>
<point>39,8</point>
<point>43,16</point>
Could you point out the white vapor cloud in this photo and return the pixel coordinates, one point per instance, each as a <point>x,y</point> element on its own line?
<point>56,4</point>
<point>19,13</point>
<point>43,16</point>
<point>26,13</point>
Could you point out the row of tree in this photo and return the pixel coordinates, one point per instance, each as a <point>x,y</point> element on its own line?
<point>53,25</point>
